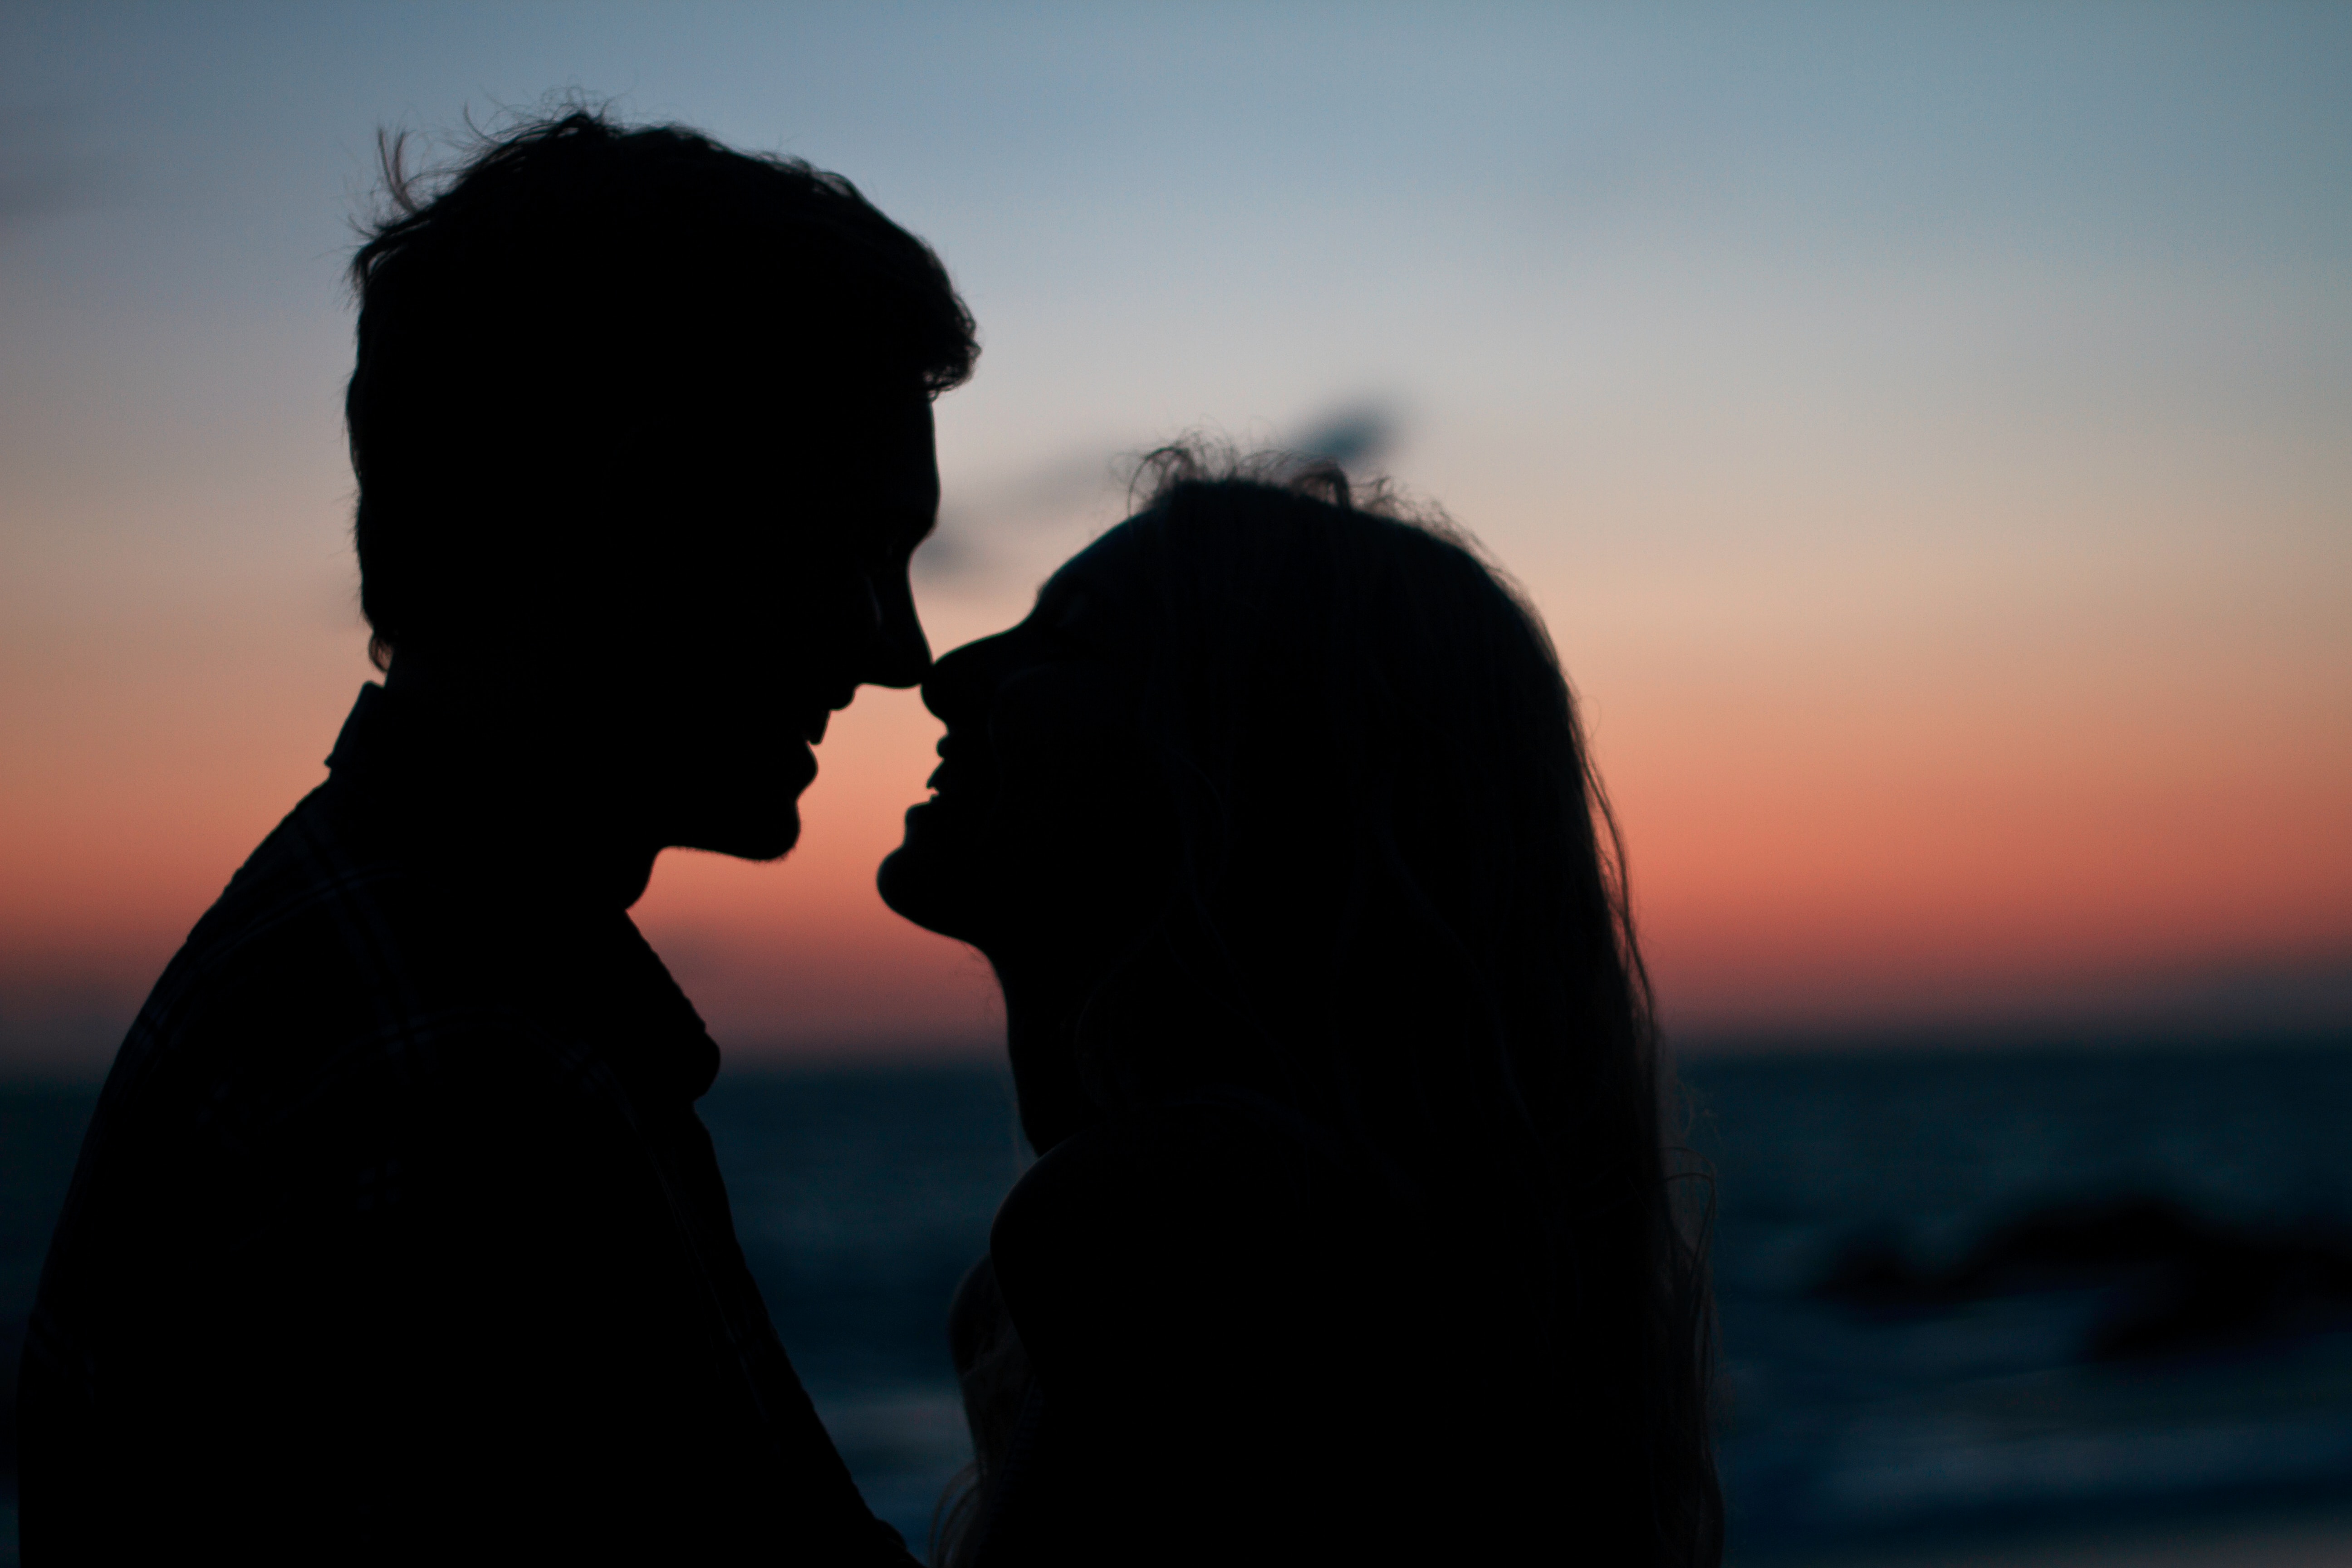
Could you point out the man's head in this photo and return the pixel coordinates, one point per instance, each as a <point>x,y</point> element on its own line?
<point>642,431</point>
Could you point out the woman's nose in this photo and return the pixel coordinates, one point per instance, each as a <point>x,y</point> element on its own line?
<point>960,679</point>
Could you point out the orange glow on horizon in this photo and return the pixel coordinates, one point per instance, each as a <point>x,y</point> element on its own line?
<point>1842,851</point>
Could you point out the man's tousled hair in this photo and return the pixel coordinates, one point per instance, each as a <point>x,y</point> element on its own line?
<point>558,330</point>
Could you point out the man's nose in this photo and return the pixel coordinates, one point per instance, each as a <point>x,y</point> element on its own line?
<point>901,655</point>
<point>942,686</point>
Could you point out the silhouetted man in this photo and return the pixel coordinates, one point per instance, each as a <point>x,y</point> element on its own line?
<point>397,1235</point>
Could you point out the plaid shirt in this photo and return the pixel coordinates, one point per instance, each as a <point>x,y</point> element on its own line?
<point>395,1234</point>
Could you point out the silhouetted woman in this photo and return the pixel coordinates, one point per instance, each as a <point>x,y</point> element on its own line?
<point>1351,1236</point>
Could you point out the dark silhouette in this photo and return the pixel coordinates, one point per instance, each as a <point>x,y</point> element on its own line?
<point>1352,1235</point>
<point>397,1235</point>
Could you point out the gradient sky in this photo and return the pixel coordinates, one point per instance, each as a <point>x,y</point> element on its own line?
<point>1926,431</point>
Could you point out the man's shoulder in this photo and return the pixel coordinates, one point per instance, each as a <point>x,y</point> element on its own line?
<point>311,913</point>
<point>316,858</point>
<point>325,958</point>
<point>343,1014</point>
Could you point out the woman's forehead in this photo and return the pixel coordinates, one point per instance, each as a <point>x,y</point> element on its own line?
<point>1104,563</point>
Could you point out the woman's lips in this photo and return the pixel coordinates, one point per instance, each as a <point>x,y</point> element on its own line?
<point>960,776</point>
<point>945,773</point>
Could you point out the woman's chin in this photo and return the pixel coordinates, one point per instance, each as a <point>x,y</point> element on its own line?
<point>918,883</point>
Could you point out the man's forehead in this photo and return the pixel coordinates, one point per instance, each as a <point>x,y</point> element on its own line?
<point>870,461</point>
<point>890,426</point>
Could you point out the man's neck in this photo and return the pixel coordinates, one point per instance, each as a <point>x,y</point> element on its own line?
<point>509,782</point>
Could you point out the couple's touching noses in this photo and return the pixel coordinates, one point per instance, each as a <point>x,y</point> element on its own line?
<point>1354,1231</point>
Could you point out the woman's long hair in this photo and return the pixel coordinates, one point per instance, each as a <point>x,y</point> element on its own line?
<point>1399,906</point>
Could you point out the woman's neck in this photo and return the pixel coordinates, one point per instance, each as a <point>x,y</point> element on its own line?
<point>1041,1035</point>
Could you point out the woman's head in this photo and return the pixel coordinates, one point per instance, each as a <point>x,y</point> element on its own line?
<point>1306,766</point>
<point>1281,790</point>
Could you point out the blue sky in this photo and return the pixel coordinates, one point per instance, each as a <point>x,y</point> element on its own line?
<point>1893,408</point>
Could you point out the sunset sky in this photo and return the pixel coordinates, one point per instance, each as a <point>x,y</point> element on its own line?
<point>1926,431</point>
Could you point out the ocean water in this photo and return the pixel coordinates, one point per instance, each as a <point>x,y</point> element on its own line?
<point>2029,1290</point>
<point>1961,1291</point>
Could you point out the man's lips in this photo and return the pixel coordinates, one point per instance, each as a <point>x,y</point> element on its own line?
<point>815,719</point>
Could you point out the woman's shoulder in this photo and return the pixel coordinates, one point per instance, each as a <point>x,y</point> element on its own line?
<point>1191,1204</point>
<point>1206,1239</point>
<point>1229,1160</point>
